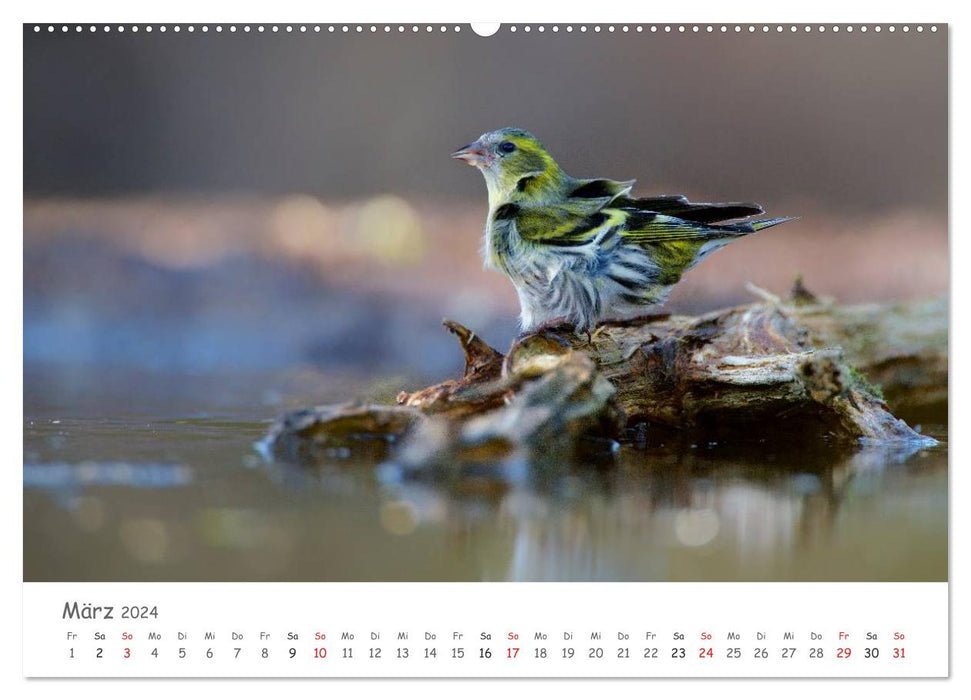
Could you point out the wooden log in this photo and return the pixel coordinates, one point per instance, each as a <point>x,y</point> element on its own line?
<point>901,348</point>
<point>776,369</point>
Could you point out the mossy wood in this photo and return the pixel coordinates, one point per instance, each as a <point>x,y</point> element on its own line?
<point>800,369</point>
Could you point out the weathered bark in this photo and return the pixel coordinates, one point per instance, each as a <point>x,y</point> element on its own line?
<point>901,348</point>
<point>793,370</point>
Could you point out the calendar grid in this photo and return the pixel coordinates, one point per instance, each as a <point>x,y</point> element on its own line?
<point>485,630</point>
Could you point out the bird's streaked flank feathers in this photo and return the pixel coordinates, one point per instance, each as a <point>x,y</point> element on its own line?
<point>582,251</point>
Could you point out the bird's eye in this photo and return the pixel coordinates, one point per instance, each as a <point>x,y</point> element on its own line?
<point>507,147</point>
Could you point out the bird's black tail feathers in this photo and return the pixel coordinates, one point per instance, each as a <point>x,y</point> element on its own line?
<point>744,227</point>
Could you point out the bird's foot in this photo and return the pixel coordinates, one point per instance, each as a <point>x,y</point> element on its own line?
<point>557,329</point>
<point>597,332</point>
<point>605,326</point>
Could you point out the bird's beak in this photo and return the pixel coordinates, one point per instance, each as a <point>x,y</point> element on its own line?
<point>474,154</point>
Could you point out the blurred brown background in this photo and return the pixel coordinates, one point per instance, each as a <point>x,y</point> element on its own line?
<point>854,122</point>
<point>245,199</point>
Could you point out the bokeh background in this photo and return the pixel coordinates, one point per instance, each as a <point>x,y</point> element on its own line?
<point>222,225</point>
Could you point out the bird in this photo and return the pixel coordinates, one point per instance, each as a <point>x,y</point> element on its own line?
<point>582,252</point>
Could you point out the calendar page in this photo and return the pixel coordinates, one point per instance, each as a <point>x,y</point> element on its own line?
<point>511,350</point>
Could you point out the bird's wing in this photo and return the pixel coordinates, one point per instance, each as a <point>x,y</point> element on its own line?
<point>571,223</point>
<point>580,220</point>
<point>604,191</point>
<point>646,227</point>
<point>678,206</point>
<point>601,188</point>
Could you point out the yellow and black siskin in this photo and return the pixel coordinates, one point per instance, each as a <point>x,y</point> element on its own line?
<point>582,251</point>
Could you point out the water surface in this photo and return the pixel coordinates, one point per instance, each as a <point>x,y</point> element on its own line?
<point>153,476</point>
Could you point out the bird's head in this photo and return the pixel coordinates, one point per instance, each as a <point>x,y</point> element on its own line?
<point>514,163</point>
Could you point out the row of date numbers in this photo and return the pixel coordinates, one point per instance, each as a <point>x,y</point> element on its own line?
<point>538,653</point>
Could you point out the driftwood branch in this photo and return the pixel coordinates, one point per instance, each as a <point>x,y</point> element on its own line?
<point>901,348</point>
<point>796,369</point>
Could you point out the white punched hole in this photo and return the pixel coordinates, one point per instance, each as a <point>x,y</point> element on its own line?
<point>485,28</point>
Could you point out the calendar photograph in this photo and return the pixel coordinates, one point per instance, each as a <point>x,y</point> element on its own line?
<point>588,303</point>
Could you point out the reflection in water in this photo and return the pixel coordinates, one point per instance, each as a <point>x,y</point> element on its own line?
<point>60,475</point>
<point>148,498</point>
<point>657,507</point>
